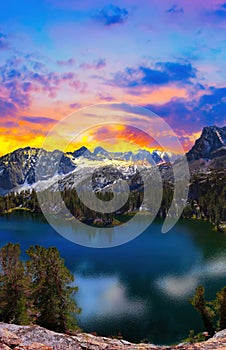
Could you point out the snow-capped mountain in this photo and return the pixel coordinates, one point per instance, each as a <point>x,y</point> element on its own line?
<point>18,169</point>
<point>142,155</point>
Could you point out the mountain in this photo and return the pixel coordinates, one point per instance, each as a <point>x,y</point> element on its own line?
<point>140,156</point>
<point>100,151</point>
<point>83,151</point>
<point>211,144</point>
<point>17,169</point>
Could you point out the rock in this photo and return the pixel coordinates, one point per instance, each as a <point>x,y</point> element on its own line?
<point>211,144</point>
<point>221,334</point>
<point>9,338</point>
<point>33,346</point>
<point>38,338</point>
<point>4,347</point>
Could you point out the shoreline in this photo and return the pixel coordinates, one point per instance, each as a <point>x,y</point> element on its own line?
<point>222,226</point>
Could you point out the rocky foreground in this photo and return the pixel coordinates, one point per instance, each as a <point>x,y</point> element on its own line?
<point>37,338</point>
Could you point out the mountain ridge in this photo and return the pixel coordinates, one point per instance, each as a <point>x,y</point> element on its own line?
<point>17,169</point>
<point>207,134</point>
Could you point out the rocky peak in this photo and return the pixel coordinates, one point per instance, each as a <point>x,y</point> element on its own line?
<point>100,150</point>
<point>211,144</point>
<point>101,153</point>
<point>81,152</point>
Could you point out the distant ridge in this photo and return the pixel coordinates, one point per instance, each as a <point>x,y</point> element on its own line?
<point>18,168</point>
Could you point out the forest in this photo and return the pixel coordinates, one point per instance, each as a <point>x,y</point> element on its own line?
<point>206,201</point>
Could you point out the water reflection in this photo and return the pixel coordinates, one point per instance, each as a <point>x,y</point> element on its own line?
<point>184,285</point>
<point>109,298</point>
<point>141,288</point>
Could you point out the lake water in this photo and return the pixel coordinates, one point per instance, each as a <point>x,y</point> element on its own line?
<point>141,288</point>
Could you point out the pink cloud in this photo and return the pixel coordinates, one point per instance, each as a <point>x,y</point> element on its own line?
<point>97,64</point>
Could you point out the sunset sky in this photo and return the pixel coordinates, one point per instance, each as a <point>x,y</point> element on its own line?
<point>57,56</point>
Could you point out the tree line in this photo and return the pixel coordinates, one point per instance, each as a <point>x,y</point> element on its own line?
<point>38,290</point>
<point>206,200</point>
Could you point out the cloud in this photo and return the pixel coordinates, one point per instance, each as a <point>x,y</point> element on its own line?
<point>208,109</point>
<point>113,133</point>
<point>178,71</point>
<point>16,95</point>
<point>218,12</point>
<point>8,124</point>
<point>175,107</point>
<point>7,108</point>
<point>97,64</point>
<point>111,15</point>
<point>161,74</point>
<point>3,42</point>
<point>212,106</point>
<point>20,77</point>
<point>38,120</point>
<point>69,62</point>
<point>178,110</point>
<point>105,97</point>
<point>75,105</point>
<point>215,96</point>
<point>175,9</point>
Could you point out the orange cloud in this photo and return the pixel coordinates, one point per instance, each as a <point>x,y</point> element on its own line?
<point>115,138</point>
<point>9,141</point>
<point>146,95</point>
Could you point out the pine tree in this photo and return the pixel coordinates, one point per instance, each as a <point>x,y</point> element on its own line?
<point>200,304</point>
<point>52,291</point>
<point>221,308</point>
<point>15,305</point>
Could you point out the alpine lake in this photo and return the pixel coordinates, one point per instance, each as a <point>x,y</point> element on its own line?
<point>140,289</point>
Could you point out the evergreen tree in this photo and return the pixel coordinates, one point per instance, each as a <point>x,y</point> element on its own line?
<point>221,308</point>
<point>52,291</point>
<point>200,304</point>
<point>15,305</point>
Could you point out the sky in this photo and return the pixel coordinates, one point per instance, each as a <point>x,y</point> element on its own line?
<point>59,56</point>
